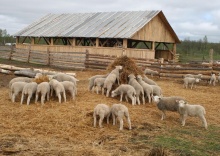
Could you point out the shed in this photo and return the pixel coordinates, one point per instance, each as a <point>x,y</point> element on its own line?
<point>138,34</point>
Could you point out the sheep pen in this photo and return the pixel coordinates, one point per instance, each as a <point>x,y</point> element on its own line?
<point>67,128</point>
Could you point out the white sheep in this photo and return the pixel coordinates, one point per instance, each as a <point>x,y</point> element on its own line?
<point>212,79</point>
<point>119,111</point>
<point>190,80</point>
<point>147,88</point>
<point>20,79</point>
<point>111,78</point>
<point>99,83</point>
<point>199,76</point>
<point>157,90</point>
<point>44,89</point>
<point>70,87</point>
<point>59,88</point>
<point>167,104</point>
<point>148,81</point>
<point>91,80</point>
<point>101,110</point>
<point>138,88</point>
<point>29,89</point>
<point>15,89</point>
<point>126,89</point>
<point>150,72</point>
<point>186,109</point>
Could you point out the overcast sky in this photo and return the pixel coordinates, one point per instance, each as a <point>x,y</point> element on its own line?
<point>191,19</point>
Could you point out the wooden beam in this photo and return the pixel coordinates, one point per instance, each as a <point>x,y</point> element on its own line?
<point>51,41</point>
<point>97,42</point>
<point>125,43</point>
<point>153,45</point>
<point>46,40</point>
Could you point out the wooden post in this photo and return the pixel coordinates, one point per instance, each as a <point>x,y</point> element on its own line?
<point>11,51</point>
<point>86,59</point>
<point>125,45</point>
<point>51,41</point>
<point>97,42</point>
<point>32,40</point>
<point>29,53</point>
<point>48,55</point>
<point>211,56</point>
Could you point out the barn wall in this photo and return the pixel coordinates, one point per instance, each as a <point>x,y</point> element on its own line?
<point>156,31</point>
<point>130,52</point>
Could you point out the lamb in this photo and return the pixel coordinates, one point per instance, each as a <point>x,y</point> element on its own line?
<point>69,86</point>
<point>128,90</point>
<point>212,79</point>
<point>44,89</point>
<point>29,89</point>
<point>15,89</point>
<point>186,109</point>
<point>101,110</point>
<point>20,79</point>
<point>91,80</point>
<point>148,81</point>
<point>119,111</point>
<point>156,90</point>
<point>167,104</point>
<point>150,72</point>
<point>190,80</point>
<point>111,78</point>
<point>99,83</point>
<point>59,88</point>
<point>199,76</point>
<point>147,88</point>
<point>138,88</point>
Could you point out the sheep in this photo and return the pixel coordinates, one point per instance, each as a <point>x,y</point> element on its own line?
<point>91,80</point>
<point>99,83</point>
<point>59,88</point>
<point>69,86</point>
<point>20,79</point>
<point>212,79</point>
<point>111,78</point>
<point>148,81</point>
<point>147,88</point>
<point>219,77</point>
<point>119,111</point>
<point>156,90</point>
<point>30,89</point>
<point>167,104</point>
<point>199,76</point>
<point>101,110</point>
<point>190,80</point>
<point>128,90</point>
<point>138,88</point>
<point>150,72</point>
<point>38,75</point>
<point>186,109</point>
<point>15,89</point>
<point>44,89</point>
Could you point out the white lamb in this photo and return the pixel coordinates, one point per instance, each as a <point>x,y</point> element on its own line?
<point>199,76</point>
<point>29,89</point>
<point>138,88</point>
<point>99,83</point>
<point>119,111</point>
<point>150,72</point>
<point>101,110</point>
<point>44,89</point>
<point>59,88</point>
<point>189,80</point>
<point>191,110</point>
<point>167,104</point>
<point>70,87</point>
<point>20,79</point>
<point>126,89</point>
<point>91,80</point>
<point>148,81</point>
<point>111,78</point>
<point>147,88</point>
<point>15,89</point>
<point>212,79</point>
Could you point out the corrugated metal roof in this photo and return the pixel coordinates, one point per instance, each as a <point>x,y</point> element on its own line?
<point>98,25</point>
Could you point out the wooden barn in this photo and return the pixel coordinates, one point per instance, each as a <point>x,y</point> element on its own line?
<point>138,34</point>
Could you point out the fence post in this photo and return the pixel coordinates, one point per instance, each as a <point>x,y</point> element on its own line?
<point>86,59</point>
<point>48,55</point>
<point>29,53</point>
<point>10,55</point>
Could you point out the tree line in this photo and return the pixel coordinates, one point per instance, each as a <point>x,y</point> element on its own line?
<point>5,37</point>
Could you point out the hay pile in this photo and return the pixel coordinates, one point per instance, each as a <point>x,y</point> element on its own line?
<point>129,67</point>
<point>43,78</point>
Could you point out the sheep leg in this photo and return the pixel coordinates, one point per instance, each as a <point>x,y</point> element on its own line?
<point>64,95</point>
<point>113,118</point>
<point>121,96</point>
<point>121,123</point>
<point>126,97</point>
<point>72,94</point>
<point>204,122</point>
<point>97,89</point>
<point>128,119</point>
<point>36,97</point>
<point>149,98</point>
<point>184,120</point>
<point>163,115</point>
<point>138,100</point>
<point>101,117</point>
<point>132,99</point>
<point>108,118</point>
<point>59,97</point>
<point>29,98</point>
<point>143,99</point>
<point>13,97</point>
<point>192,86</point>
<point>22,98</point>
<point>48,96</point>
<point>42,99</point>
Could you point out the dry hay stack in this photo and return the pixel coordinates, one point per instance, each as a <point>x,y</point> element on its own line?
<point>40,79</point>
<point>129,67</point>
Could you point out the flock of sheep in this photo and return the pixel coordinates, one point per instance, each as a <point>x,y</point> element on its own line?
<point>144,88</point>
<point>58,83</point>
<point>138,90</point>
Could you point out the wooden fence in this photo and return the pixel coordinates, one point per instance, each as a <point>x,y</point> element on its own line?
<point>82,60</point>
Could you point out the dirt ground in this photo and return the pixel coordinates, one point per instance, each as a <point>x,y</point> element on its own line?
<point>67,128</point>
